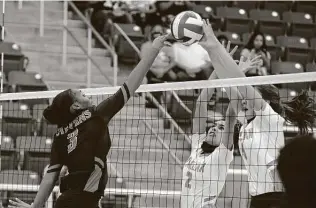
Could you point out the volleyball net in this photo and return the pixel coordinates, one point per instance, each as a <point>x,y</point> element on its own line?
<point>150,141</point>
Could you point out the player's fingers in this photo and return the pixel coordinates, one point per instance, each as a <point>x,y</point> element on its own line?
<point>228,47</point>
<point>256,58</point>
<point>20,201</point>
<point>208,22</point>
<point>233,51</point>
<point>241,59</point>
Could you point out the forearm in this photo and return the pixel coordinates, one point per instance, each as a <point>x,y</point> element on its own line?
<point>137,75</point>
<point>200,113</point>
<point>226,67</point>
<point>46,188</point>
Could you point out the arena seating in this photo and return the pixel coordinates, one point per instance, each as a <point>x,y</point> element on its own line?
<point>235,23</point>
<point>268,22</point>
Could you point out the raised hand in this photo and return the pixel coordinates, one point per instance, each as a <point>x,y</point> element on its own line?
<point>17,203</point>
<point>232,52</point>
<point>161,41</point>
<point>249,63</point>
<point>210,37</point>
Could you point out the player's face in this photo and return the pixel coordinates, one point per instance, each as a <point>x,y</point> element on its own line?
<point>246,112</point>
<point>81,99</point>
<point>258,42</point>
<point>214,134</point>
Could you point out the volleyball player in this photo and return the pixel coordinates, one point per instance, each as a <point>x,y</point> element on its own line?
<point>82,141</point>
<point>263,116</point>
<point>205,171</point>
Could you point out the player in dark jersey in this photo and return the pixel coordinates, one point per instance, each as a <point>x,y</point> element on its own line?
<point>82,141</point>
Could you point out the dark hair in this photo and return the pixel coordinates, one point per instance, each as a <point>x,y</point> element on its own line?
<point>59,111</point>
<point>297,170</point>
<point>221,37</point>
<point>298,111</point>
<point>250,44</point>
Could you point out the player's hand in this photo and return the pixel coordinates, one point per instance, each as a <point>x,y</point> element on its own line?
<point>232,52</point>
<point>211,40</point>
<point>17,203</point>
<point>249,63</point>
<point>161,41</point>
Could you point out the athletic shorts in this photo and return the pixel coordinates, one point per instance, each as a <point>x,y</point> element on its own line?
<point>77,199</point>
<point>268,200</point>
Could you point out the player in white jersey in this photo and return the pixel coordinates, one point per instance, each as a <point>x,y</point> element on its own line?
<point>205,171</point>
<point>263,116</point>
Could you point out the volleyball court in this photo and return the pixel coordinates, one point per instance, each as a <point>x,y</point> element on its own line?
<point>149,145</point>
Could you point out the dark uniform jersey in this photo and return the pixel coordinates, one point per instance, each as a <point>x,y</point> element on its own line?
<point>84,143</point>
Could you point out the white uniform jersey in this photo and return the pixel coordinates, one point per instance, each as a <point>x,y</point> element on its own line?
<point>259,143</point>
<point>204,175</point>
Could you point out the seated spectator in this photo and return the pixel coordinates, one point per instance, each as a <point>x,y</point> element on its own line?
<point>106,12</point>
<point>199,69</point>
<point>160,70</point>
<point>257,46</point>
<point>297,170</point>
<point>169,9</point>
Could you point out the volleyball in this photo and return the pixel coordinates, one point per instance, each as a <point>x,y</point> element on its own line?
<point>187,28</point>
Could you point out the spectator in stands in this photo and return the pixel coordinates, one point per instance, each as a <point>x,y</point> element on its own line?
<point>106,12</point>
<point>169,9</point>
<point>257,46</point>
<point>161,69</point>
<point>297,170</point>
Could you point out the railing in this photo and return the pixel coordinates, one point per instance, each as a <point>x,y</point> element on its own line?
<point>90,30</point>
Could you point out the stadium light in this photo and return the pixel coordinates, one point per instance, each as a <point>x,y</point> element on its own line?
<point>38,76</point>
<point>7,139</point>
<point>302,40</point>
<point>48,141</point>
<point>208,9</point>
<point>298,66</point>
<point>242,11</point>
<point>307,16</point>
<point>15,47</point>
<point>274,14</point>
<point>293,93</point>
<point>136,28</point>
<point>23,107</point>
<point>234,35</point>
<point>268,37</point>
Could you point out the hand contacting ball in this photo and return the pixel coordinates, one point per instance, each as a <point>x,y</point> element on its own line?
<point>187,28</point>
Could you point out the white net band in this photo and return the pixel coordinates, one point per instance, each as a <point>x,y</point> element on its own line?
<point>260,80</point>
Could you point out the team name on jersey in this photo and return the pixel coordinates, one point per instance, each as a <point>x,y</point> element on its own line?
<point>194,165</point>
<point>85,115</point>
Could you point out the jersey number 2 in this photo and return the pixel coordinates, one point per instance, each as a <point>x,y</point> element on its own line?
<point>188,181</point>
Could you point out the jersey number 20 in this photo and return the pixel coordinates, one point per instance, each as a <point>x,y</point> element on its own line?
<point>188,181</point>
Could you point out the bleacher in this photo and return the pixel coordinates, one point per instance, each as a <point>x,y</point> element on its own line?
<point>143,162</point>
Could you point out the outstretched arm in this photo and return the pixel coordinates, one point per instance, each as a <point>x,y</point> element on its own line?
<point>231,117</point>
<point>109,107</point>
<point>200,112</point>
<point>226,67</point>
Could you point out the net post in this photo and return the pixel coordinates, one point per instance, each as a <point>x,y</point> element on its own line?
<point>89,53</point>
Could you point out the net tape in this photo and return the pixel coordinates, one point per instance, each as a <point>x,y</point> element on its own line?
<point>241,81</point>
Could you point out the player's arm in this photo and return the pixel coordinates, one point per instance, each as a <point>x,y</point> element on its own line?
<point>109,107</point>
<point>200,112</point>
<point>50,178</point>
<point>226,67</point>
<point>231,117</point>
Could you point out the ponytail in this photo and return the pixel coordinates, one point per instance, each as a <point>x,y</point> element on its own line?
<point>300,112</point>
